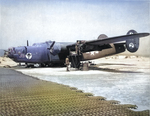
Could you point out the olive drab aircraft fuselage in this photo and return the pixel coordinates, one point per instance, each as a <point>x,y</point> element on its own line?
<point>51,53</point>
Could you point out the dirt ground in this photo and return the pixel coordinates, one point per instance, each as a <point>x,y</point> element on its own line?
<point>7,62</point>
<point>125,63</point>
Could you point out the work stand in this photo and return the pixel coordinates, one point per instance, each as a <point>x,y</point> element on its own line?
<point>75,60</point>
<point>76,56</point>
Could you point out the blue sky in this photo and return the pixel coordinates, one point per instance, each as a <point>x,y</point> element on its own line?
<point>42,20</point>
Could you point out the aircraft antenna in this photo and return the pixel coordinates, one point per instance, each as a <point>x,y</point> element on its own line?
<point>27,43</point>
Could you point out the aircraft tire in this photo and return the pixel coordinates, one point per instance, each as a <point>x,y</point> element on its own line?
<point>43,65</point>
<point>50,65</point>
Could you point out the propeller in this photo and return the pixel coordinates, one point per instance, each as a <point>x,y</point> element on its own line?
<point>51,47</point>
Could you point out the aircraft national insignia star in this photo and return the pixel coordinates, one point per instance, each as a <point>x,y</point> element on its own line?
<point>29,56</point>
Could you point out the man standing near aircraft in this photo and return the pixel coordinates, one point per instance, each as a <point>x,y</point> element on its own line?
<point>67,63</point>
<point>77,48</point>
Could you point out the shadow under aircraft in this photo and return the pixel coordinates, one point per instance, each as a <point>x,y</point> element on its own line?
<point>51,53</point>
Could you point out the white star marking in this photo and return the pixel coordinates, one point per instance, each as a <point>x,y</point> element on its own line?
<point>94,52</point>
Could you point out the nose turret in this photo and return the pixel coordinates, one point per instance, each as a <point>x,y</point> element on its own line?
<point>10,52</point>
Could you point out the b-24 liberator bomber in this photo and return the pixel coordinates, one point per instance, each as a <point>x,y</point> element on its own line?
<point>51,53</point>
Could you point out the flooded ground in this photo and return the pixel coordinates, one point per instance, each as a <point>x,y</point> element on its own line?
<point>122,78</point>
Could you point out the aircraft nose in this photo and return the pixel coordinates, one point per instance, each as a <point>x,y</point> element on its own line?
<point>9,53</point>
<point>15,57</point>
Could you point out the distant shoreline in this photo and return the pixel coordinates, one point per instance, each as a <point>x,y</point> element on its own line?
<point>1,52</point>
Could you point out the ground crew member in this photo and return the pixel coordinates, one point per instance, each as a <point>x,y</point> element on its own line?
<point>67,63</point>
<point>77,48</point>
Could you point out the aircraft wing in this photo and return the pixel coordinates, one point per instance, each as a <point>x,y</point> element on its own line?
<point>115,39</point>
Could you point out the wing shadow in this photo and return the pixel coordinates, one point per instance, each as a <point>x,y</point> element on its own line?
<point>112,70</point>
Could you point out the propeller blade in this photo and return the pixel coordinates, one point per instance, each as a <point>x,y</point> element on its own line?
<point>52,45</point>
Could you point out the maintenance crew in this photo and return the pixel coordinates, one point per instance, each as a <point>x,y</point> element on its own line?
<point>67,63</point>
<point>77,48</point>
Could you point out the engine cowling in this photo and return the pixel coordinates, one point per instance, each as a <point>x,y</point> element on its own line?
<point>132,45</point>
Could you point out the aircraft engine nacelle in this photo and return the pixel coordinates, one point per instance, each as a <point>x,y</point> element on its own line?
<point>132,45</point>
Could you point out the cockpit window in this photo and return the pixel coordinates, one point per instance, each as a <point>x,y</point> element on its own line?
<point>20,50</point>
